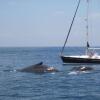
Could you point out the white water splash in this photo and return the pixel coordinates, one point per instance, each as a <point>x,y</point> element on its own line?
<point>73,73</point>
<point>77,72</point>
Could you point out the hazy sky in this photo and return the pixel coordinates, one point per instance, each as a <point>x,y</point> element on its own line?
<point>46,22</point>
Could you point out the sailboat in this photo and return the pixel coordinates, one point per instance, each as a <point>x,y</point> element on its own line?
<point>89,56</point>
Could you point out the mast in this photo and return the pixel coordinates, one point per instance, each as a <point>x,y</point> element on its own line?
<point>70,27</point>
<point>87,29</point>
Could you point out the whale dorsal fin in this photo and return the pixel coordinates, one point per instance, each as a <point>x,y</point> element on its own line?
<point>40,63</point>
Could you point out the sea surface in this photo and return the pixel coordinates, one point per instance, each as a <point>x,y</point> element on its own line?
<point>62,85</point>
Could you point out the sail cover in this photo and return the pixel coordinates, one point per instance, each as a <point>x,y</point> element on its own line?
<point>88,45</point>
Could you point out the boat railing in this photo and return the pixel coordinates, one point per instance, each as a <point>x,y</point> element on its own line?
<point>94,48</point>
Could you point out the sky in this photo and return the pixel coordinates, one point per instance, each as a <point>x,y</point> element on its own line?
<point>37,23</point>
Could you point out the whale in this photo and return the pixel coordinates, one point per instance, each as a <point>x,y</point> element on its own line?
<point>82,68</point>
<point>38,68</point>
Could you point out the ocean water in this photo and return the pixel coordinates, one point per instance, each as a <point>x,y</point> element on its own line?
<point>48,86</point>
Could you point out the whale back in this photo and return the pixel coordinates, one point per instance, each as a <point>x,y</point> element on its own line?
<point>82,68</point>
<point>35,68</point>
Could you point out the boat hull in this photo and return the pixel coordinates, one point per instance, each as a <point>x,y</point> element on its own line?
<point>66,59</point>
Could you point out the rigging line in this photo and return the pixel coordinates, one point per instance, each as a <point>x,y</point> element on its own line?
<point>70,27</point>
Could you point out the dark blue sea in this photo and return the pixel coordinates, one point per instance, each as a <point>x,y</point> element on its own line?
<point>48,86</point>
